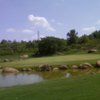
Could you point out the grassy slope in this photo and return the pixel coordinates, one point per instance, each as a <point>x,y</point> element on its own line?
<point>54,60</point>
<point>77,88</point>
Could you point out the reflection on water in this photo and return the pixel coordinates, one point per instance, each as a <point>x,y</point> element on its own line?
<point>7,80</point>
<point>68,75</point>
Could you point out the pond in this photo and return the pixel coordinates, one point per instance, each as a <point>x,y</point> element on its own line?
<point>8,80</point>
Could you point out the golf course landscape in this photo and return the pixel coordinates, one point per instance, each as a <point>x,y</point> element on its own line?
<point>49,50</point>
<point>83,87</point>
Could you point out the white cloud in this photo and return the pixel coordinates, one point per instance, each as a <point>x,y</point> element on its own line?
<point>26,39</point>
<point>27,31</point>
<point>89,29</point>
<point>11,30</point>
<point>40,21</point>
<point>98,22</point>
<point>95,27</point>
<point>42,36</point>
<point>55,22</point>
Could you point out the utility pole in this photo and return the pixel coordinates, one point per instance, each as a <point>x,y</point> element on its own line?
<point>38,35</point>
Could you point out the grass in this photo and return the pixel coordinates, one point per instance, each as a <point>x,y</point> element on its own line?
<point>76,88</point>
<point>85,87</point>
<point>54,60</point>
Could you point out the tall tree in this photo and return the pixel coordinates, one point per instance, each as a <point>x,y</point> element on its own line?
<point>72,37</point>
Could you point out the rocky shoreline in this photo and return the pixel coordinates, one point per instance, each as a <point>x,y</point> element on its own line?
<point>47,67</point>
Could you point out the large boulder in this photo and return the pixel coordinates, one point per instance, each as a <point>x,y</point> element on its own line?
<point>98,63</point>
<point>63,67</point>
<point>44,67</point>
<point>85,66</point>
<point>9,70</point>
<point>92,51</point>
<point>74,67</point>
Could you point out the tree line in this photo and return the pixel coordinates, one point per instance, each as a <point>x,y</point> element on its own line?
<point>52,45</point>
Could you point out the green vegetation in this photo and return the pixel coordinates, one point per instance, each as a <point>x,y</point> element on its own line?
<point>72,37</point>
<point>76,88</point>
<point>53,60</point>
<point>85,87</point>
<point>52,45</point>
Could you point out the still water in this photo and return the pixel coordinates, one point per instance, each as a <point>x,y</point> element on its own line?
<point>8,80</point>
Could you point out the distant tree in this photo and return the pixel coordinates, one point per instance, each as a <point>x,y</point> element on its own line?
<point>4,41</point>
<point>51,45</point>
<point>5,47</point>
<point>95,35</point>
<point>83,39</point>
<point>72,37</point>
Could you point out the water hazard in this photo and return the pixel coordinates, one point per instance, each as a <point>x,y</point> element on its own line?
<point>8,80</point>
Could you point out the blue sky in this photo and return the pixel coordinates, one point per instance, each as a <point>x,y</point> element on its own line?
<point>21,19</point>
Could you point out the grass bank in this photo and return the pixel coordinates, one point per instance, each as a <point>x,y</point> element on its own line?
<point>53,60</point>
<point>76,88</point>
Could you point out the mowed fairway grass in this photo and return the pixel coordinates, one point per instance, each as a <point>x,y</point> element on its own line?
<point>53,60</point>
<point>85,87</point>
<point>76,88</point>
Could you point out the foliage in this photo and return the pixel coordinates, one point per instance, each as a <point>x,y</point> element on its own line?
<point>72,37</point>
<point>51,45</point>
<point>14,47</point>
<point>83,39</point>
<point>95,35</point>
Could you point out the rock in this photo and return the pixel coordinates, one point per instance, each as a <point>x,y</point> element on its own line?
<point>26,69</point>
<point>44,67</point>
<point>23,69</point>
<point>92,51</point>
<point>63,67</point>
<point>24,56</point>
<point>0,70</point>
<point>9,70</point>
<point>74,67</point>
<point>98,63</point>
<point>29,69</point>
<point>68,75</point>
<point>85,66</point>
<point>55,69</point>
<point>6,60</point>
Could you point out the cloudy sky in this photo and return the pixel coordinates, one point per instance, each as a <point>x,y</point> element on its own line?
<point>22,19</point>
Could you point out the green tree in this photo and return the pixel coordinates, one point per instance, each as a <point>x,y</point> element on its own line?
<point>95,35</point>
<point>72,37</point>
<point>51,45</point>
<point>5,47</point>
<point>83,39</point>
